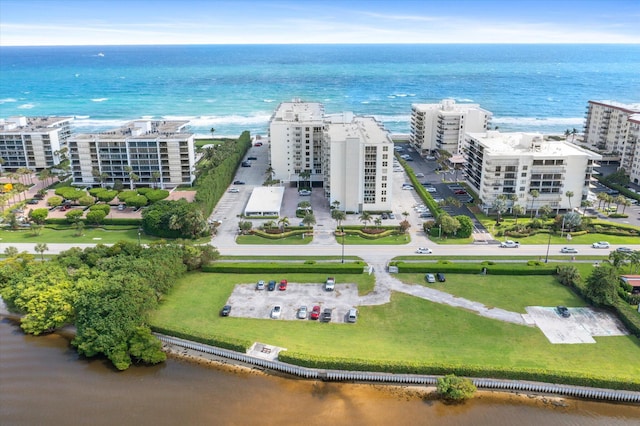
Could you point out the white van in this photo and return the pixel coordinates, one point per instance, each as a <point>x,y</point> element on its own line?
<point>352,316</point>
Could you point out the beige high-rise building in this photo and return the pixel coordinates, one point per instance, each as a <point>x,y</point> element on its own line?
<point>442,126</point>
<point>141,152</point>
<point>514,164</point>
<point>606,126</point>
<point>33,142</point>
<point>631,155</point>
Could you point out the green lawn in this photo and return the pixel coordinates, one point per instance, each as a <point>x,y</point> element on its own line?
<point>389,240</point>
<point>255,239</point>
<point>406,330</point>
<point>89,235</point>
<point>502,291</point>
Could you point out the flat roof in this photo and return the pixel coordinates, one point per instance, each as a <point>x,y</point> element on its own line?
<point>33,124</point>
<point>265,201</point>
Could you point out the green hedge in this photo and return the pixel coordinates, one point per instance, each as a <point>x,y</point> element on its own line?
<point>238,345</point>
<point>280,236</point>
<point>629,316</point>
<point>515,373</point>
<point>475,268</point>
<point>105,221</point>
<point>371,236</point>
<point>302,268</point>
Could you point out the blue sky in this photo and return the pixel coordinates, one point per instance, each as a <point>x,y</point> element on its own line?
<point>117,22</point>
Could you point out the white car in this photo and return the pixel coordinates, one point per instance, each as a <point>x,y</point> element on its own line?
<point>304,192</point>
<point>431,189</point>
<point>260,285</point>
<point>419,175</point>
<point>568,250</point>
<point>430,278</point>
<point>234,190</point>
<point>510,244</point>
<point>430,157</point>
<point>424,250</point>
<point>276,311</point>
<point>302,312</point>
<point>600,244</point>
<point>330,284</point>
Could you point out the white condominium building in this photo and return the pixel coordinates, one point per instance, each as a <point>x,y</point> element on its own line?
<point>518,163</point>
<point>142,152</point>
<point>33,142</point>
<point>349,156</point>
<point>631,155</point>
<point>442,126</point>
<point>295,132</point>
<point>606,125</point>
<point>358,163</point>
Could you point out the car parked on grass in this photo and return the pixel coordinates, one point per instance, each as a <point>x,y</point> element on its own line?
<point>568,250</point>
<point>441,278</point>
<point>326,315</point>
<point>424,250</point>
<point>563,311</point>
<point>315,313</point>
<point>430,278</point>
<point>226,310</point>
<point>260,285</point>
<point>271,286</point>
<point>510,244</point>
<point>600,244</point>
<point>352,315</point>
<point>283,285</point>
<point>276,311</point>
<point>302,312</point>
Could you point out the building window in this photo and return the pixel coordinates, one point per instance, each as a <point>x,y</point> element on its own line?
<point>383,199</point>
<point>524,174</point>
<point>522,189</point>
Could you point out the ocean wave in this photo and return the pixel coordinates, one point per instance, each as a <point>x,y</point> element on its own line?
<point>26,106</point>
<point>539,122</point>
<point>99,99</point>
<point>81,117</point>
<point>7,100</point>
<point>202,121</point>
<point>465,100</point>
<point>268,100</point>
<point>95,125</point>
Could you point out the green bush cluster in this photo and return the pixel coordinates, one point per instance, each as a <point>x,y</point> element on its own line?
<point>134,223</point>
<point>230,343</point>
<point>512,373</point>
<point>368,236</point>
<point>217,173</point>
<point>301,268</point>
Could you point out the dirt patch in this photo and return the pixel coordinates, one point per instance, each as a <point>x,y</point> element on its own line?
<point>583,324</point>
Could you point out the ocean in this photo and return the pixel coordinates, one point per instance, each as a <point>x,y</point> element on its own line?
<point>232,88</point>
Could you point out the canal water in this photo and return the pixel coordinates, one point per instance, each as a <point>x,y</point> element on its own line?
<point>44,382</point>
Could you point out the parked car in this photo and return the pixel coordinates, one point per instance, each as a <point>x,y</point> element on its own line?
<point>431,189</point>
<point>419,175</point>
<point>257,144</point>
<point>352,315</point>
<point>330,284</point>
<point>430,278</point>
<point>252,158</point>
<point>563,311</point>
<point>271,286</point>
<point>407,187</point>
<point>238,182</point>
<point>283,285</point>
<point>32,201</point>
<point>326,315</point>
<point>384,216</point>
<point>315,313</point>
<point>423,250</point>
<point>245,164</point>
<point>302,312</point>
<point>233,190</point>
<point>460,192</point>
<point>568,250</point>
<point>408,159</point>
<point>304,192</point>
<point>440,276</point>
<point>425,215</point>
<point>405,156</point>
<point>226,310</point>
<point>509,244</point>
<point>121,207</point>
<point>429,158</point>
<point>276,311</point>
<point>260,285</point>
<point>392,216</point>
<point>600,244</point>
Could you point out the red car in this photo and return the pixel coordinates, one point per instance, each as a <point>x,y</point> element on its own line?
<point>315,313</point>
<point>257,144</point>
<point>460,192</point>
<point>283,285</point>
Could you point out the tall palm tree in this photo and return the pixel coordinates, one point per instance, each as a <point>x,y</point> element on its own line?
<point>339,216</point>
<point>569,194</point>
<point>517,210</point>
<point>534,193</point>
<point>41,248</point>
<point>513,198</point>
<point>601,196</point>
<point>156,178</point>
<point>585,204</point>
<point>378,222</point>
<point>365,218</point>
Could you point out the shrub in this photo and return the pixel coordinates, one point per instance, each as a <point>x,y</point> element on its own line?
<point>154,195</point>
<point>455,388</point>
<point>106,208</point>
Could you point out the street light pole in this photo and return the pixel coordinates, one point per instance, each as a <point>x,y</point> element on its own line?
<point>342,244</point>
<point>546,259</point>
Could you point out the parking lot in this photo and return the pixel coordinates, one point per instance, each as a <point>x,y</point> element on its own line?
<point>248,302</point>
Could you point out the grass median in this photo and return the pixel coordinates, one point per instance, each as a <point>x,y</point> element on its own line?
<point>408,329</point>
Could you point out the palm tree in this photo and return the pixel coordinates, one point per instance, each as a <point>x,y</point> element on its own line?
<point>534,193</point>
<point>585,204</point>
<point>517,210</point>
<point>513,198</point>
<point>452,201</point>
<point>156,177</point>
<point>626,203</point>
<point>365,218</point>
<point>378,222</point>
<point>41,248</point>
<point>212,131</point>
<point>338,216</point>
<point>309,219</point>
<point>499,205</point>
<point>569,194</point>
<point>335,205</point>
<point>269,224</point>
<point>305,175</point>
<point>283,222</point>
<point>601,196</point>
<point>545,211</point>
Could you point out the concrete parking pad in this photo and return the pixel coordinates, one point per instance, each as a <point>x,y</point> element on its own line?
<point>580,327</point>
<point>248,302</point>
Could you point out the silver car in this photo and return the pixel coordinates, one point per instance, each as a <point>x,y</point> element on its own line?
<point>430,278</point>
<point>276,311</point>
<point>302,312</point>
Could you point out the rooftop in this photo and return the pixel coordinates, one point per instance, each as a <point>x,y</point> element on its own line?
<point>297,110</point>
<point>32,124</point>
<point>141,129</point>
<point>367,129</point>
<point>627,107</point>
